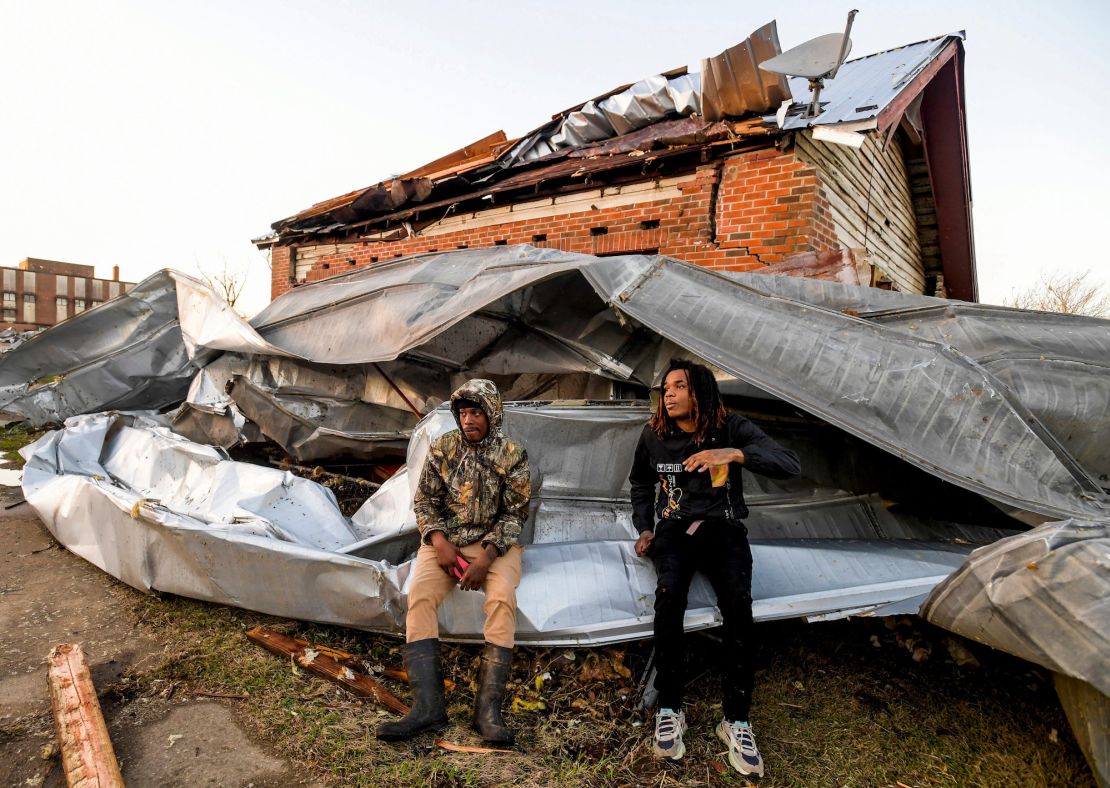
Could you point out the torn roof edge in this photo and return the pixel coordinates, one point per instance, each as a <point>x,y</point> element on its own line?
<point>499,151</point>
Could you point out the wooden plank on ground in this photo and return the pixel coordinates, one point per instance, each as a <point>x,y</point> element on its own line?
<point>88,759</point>
<point>325,666</point>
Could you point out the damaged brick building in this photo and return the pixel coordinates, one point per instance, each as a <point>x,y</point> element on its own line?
<point>721,168</point>
<point>40,293</point>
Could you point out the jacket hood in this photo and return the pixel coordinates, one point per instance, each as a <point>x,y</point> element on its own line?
<point>485,393</point>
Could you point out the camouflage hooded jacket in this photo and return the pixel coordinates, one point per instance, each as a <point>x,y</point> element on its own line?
<point>474,491</point>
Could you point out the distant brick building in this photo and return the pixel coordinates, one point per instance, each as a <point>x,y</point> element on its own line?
<point>39,293</point>
<point>882,169</point>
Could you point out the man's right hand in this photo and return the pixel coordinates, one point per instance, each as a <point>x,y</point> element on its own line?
<point>643,544</point>
<point>446,552</point>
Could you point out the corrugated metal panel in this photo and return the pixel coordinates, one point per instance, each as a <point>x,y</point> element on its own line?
<point>200,535</point>
<point>733,85</point>
<point>1043,595</point>
<point>1088,712</point>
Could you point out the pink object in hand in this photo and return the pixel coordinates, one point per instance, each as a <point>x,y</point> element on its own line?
<point>463,564</point>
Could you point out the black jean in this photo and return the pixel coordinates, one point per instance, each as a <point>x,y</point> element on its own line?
<point>719,549</point>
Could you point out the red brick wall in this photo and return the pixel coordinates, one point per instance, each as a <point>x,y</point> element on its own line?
<point>280,271</point>
<point>772,206</point>
<point>46,290</point>
<point>769,206</point>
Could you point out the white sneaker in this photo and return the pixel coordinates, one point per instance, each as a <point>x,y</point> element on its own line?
<point>742,752</point>
<point>669,727</point>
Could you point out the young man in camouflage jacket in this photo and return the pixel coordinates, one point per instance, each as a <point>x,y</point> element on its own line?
<point>470,504</point>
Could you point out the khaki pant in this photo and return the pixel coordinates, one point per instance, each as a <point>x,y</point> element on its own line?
<point>430,584</point>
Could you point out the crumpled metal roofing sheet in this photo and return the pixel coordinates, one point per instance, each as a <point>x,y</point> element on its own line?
<point>1043,595</point>
<point>647,101</point>
<point>946,412</point>
<point>127,353</point>
<point>1057,365</point>
<point>733,84</point>
<point>730,85</point>
<point>919,398</point>
<point>165,514</point>
<point>139,350</point>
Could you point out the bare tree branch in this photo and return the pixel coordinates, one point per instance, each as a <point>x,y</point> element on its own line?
<point>1058,291</point>
<point>227,281</point>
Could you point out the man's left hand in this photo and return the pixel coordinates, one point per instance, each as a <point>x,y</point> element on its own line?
<point>704,460</point>
<point>475,574</point>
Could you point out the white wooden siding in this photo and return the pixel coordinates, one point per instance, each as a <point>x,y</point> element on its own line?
<point>307,256</point>
<point>869,198</point>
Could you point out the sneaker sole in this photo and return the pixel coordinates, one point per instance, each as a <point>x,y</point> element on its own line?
<point>740,766</point>
<point>681,749</point>
<point>666,757</point>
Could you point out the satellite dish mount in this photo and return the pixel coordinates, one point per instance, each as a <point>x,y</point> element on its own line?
<point>816,60</point>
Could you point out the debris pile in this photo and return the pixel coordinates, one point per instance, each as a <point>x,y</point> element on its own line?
<point>927,429</point>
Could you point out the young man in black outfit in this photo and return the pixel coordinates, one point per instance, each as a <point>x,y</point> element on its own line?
<point>694,450</point>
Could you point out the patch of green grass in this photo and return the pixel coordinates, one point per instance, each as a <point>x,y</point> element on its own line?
<point>839,703</point>
<point>14,437</point>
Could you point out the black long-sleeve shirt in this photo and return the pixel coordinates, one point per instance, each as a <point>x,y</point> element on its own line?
<point>689,495</point>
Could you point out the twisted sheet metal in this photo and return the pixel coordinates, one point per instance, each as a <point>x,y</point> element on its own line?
<point>164,514</point>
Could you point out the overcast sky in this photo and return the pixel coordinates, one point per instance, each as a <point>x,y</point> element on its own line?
<point>168,134</point>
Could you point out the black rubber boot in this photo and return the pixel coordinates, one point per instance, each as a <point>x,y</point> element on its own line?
<point>496,661</point>
<point>429,712</point>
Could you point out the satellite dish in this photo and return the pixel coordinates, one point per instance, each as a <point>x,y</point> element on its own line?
<point>816,60</point>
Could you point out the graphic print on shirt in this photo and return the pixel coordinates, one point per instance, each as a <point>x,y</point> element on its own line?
<point>674,496</point>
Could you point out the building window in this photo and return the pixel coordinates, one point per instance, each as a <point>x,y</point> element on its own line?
<point>9,315</point>
<point>78,305</point>
<point>28,298</point>
<point>62,303</point>
<point>96,303</point>
<point>9,298</point>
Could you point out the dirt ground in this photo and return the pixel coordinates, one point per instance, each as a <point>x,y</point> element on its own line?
<point>49,596</point>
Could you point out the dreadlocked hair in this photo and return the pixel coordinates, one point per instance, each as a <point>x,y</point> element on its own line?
<point>706,408</point>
